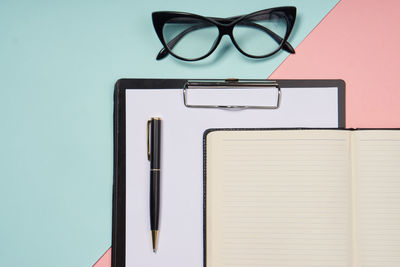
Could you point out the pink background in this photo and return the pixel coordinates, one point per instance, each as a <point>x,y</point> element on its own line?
<point>105,260</point>
<point>357,42</point>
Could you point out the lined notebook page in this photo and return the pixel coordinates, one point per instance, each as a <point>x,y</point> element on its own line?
<point>378,190</point>
<point>278,198</point>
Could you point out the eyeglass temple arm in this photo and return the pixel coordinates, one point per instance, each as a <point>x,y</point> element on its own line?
<point>164,52</point>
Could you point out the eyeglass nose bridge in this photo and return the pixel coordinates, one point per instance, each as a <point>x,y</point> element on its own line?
<point>225,30</point>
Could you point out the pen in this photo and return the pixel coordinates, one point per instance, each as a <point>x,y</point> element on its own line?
<point>153,155</point>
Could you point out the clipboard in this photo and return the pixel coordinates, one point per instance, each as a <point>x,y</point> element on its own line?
<point>293,103</point>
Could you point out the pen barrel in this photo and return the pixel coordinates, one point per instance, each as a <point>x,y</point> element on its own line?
<point>155,148</point>
<point>155,164</point>
<point>154,198</point>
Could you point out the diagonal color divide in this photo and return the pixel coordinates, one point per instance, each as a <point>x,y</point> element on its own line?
<point>105,260</point>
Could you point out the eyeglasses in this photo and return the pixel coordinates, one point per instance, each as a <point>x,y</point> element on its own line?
<point>192,37</point>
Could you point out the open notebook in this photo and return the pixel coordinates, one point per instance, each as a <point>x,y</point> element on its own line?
<point>302,198</point>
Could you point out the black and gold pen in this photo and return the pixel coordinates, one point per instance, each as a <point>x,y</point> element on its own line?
<point>153,155</point>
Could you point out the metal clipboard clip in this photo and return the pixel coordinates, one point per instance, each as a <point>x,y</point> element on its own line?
<point>262,93</point>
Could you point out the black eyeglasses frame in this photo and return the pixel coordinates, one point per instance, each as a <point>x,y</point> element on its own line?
<point>225,27</point>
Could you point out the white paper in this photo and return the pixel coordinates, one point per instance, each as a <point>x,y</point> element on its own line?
<point>181,223</point>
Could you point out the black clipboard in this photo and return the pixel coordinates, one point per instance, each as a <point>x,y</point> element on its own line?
<point>118,257</point>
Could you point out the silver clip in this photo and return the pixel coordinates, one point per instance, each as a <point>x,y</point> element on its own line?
<point>148,139</point>
<point>230,83</point>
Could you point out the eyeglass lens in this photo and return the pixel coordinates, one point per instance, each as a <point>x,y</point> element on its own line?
<point>260,35</point>
<point>190,38</point>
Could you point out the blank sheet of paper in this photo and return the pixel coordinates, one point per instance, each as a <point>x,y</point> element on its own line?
<point>181,223</point>
<point>378,195</point>
<point>278,198</point>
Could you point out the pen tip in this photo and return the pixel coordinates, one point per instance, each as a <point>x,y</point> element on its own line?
<point>154,239</point>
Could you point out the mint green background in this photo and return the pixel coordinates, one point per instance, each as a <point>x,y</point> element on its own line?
<point>58,65</point>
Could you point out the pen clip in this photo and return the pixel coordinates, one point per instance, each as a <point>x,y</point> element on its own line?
<point>148,139</point>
